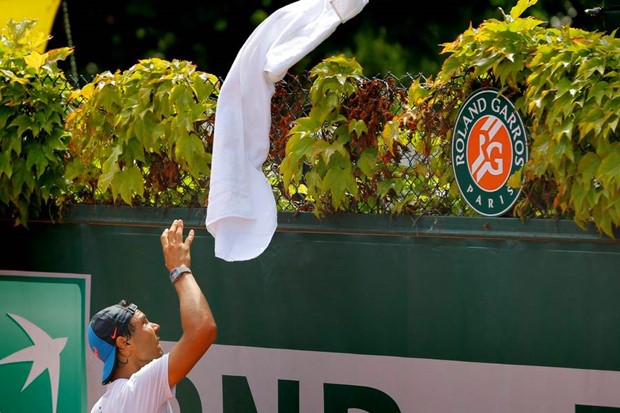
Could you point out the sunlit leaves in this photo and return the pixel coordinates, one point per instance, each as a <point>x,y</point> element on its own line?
<point>33,93</point>
<point>110,168</point>
<point>34,60</point>
<point>367,162</point>
<point>570,85</point>
<point>150,114</point>
<point>127,183</point>
<point>317,151</point>
<point>339,182</point>
<point>520,7</point>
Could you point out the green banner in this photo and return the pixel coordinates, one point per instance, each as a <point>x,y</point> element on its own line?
<point>42,364</point>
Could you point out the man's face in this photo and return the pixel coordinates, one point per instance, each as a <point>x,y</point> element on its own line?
<point>145,339</point>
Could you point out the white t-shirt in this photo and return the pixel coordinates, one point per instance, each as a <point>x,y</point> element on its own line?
<point>146,391</point>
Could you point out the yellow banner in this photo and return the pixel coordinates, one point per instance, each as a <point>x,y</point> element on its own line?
<point>43,11</point>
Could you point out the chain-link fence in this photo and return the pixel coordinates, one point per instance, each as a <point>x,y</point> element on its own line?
<point>405,182</point>
<point>414,177</point>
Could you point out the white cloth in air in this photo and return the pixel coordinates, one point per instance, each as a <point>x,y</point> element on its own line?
<point>241,212</point>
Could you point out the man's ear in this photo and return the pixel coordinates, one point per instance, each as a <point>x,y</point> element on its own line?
<point>122,342</point>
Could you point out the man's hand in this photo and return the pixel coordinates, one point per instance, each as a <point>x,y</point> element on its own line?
<point>176,251</point>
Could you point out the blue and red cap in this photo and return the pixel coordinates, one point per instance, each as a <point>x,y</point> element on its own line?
<point>103,329</point>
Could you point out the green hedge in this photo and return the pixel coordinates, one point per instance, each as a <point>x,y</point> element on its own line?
<point>340,142</point>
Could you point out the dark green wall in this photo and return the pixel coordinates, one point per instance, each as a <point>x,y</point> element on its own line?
<point>471,289</point>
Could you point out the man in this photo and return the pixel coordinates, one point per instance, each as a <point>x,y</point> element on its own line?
<point>141,378</point>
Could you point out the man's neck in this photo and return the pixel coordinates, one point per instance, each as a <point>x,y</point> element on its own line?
<point>125,372</point>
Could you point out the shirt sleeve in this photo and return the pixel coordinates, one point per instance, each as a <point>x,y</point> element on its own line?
<point>150,385</point>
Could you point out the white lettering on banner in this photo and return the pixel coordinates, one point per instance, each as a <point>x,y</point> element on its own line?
<point>416,385</point>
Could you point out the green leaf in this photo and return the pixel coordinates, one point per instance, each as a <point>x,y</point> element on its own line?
<point>189,150</point>
<point>128,182</point>
<point>306,124</point>
<point>288,171</point>
<point>157,132</point>
<point>384,186</point>
<point>300,146</point>
<point>591,65</point>
<point>181,97</point>
<point>314,183</point>
<point>390,134</point>
<point>599,91</point>
<point>367,162</point>
<point>516,179</point>
<point>34,60</point>
<point>12,78</point>
<point>205,85</point>
<point>24,123</point>
<point>595,117</point>
<point>564,86</point>
<point>22,216</point>
<point>60,53</point>
<point>143,126</point>
<point>357,126</point>
<point>35,157</point>
<point>5,164</point>
<point>5,113</point>
<point>133,150</point>
<point>110,98</point>
<point>338,181</point>
<point>14,143</point>
<point>602,219</point>
<point>565,130</point>
<point>507,72</point>
<point>23,178</point>
<point>341,164</point>
<point>74,169</point>
<point>417,94</point>
<point>609,169</point>
<point>53,145</point>
<point>109,169</point>
<point>588,166</point>
<point>579,198</point>
<point>560,149</point>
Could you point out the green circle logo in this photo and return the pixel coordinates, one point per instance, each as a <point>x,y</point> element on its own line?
<point>488,145</point>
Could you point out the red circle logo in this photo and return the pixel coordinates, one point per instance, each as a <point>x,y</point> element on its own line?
<point>489,153</point>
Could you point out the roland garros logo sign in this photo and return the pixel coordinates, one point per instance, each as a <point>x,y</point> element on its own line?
<point>488,146</point>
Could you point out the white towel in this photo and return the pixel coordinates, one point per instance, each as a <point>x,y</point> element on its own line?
<point>241,212</point>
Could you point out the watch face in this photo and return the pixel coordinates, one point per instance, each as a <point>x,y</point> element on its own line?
<point>176,272</point>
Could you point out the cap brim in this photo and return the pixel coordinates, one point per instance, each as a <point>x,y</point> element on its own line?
<point>108,366</point>
<point>104,351</point>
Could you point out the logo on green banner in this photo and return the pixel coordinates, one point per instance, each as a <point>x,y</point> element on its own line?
<point>488,146</point>
<point>42,363</point>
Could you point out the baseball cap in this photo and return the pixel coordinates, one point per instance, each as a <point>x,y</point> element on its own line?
<point>104,327</point>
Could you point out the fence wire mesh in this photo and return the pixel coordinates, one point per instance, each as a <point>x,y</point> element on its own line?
<point>405,181</point>
<point>412,177</point>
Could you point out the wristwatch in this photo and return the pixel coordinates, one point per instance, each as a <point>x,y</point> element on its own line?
<point>177,272</point>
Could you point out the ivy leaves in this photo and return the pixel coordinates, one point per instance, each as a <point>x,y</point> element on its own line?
<point>318,150</point>
<point>143,136</point>
<point>125,122</point>
<point>569,80</point>
<point>33,96</point>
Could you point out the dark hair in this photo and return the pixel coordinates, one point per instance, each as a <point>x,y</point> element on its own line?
<point>118,362</point>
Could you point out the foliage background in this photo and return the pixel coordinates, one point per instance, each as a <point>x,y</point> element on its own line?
<point>396,36</point>
<point>339,154</point>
